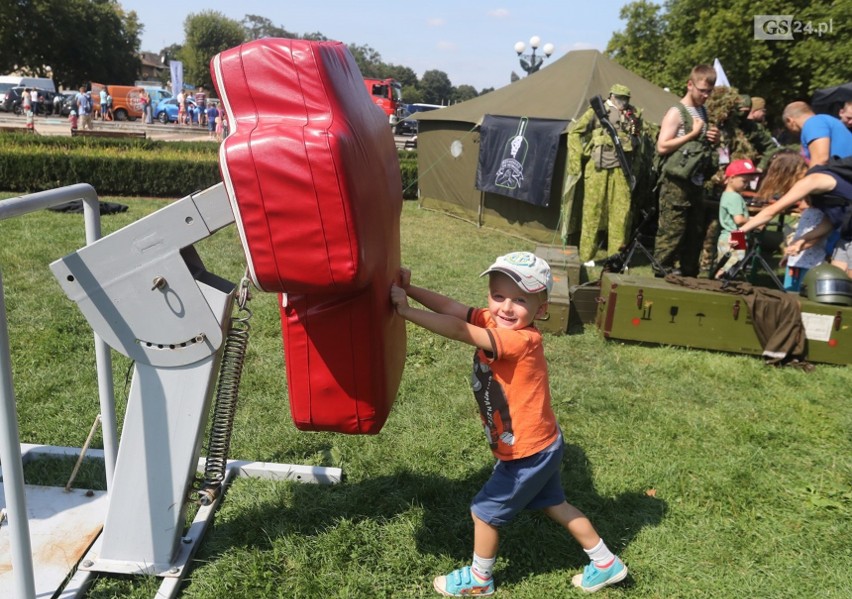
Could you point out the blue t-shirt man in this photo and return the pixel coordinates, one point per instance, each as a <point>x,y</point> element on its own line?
<point>212,113</point>
<point>824,125</point>
<point>84,104</point>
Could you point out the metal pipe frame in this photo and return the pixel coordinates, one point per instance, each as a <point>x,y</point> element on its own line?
<point>10,449</point>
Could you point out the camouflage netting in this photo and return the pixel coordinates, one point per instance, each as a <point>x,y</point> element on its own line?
<point>723,110</point>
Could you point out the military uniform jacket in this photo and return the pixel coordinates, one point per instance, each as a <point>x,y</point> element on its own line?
<point>591,140</point>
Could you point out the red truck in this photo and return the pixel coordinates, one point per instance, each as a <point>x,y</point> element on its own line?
<point>387,94</point>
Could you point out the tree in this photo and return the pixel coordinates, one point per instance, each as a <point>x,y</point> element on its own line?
<point>79,40</point>
<point>257,27</point>
<point>168,54</point>
<point>207,33</point>
<point>411,95</point>
<point>436,87</point>
<point>316,36</point>
<point>368,59</point>
<point>464,92</point>
<point>637,48</point>
<point>406,76</point>
<point>663,45</point>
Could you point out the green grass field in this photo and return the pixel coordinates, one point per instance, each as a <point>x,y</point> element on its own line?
<point>712,475</point>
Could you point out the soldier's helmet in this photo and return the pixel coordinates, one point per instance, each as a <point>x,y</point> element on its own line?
<point>619,90</point>
<point>827,284</point>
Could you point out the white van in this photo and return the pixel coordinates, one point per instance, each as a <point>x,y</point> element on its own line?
<point>45,83</point>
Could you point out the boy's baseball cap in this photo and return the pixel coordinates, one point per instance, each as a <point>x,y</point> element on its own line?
<point>740,167</point>
<point>531,273</point>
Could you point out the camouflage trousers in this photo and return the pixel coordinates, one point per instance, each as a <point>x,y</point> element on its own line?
<point>709,254</point>
<point>680,230</point>
<point>606,205</point>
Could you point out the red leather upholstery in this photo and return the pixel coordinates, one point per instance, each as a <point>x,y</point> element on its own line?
<point>311,169</point>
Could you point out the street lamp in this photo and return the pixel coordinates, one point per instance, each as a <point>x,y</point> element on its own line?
<point>532,62</point>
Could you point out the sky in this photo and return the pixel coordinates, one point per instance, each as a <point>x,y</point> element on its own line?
<point>472,41</point>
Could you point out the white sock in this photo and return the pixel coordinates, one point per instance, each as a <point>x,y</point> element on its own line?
<point>600,554</point>
<point>482,567</point>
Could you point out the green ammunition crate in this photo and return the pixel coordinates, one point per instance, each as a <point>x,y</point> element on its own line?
<point>651,310</point>
<point>565,260</point>
<point>584,306</point>
<point>556,319</point>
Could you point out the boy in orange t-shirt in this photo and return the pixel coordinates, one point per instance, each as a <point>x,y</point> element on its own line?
<point>511,386</point>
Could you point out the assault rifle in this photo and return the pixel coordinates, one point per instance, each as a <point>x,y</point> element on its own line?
<point>603,116</point>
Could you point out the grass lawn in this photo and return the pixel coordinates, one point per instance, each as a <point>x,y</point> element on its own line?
<point>711,474</point>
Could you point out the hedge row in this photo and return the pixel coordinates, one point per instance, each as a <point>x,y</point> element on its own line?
<point>124,167</point>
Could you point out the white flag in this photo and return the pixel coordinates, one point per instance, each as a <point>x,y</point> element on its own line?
<point>721,78</point>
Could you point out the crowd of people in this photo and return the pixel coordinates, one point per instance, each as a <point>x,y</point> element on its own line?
<point>198,109</point>
<point>716,165</point>
<point>791,181</point>
<point>194,108</point>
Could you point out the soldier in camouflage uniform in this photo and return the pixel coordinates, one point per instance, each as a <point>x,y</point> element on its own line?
<point>680,230</point>
<point>606,194</point>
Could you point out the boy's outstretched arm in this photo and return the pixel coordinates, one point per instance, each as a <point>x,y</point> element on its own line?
<point>445,324</point>
<point>436,302</point>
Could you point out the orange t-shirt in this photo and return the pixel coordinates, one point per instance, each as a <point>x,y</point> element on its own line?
<point>511,386</point>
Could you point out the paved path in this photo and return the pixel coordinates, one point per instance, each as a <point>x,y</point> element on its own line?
<point>171,132</point>
<point>60,126</point>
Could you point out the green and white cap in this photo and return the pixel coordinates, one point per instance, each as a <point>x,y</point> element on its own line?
<point>531,273</point>
<point>619,90</point>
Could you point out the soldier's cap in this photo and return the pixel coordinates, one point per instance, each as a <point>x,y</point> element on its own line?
<point>758,103</point>
<point>619,90</point>
<point>740,167</point>
<point>531,273</point>
<point>744,101</point>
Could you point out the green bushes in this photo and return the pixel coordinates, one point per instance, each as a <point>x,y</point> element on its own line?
<point>125,167</point>
<point>138,167</point>
<point>408,167</point>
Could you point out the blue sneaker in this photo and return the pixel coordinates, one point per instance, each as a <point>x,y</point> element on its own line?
<point>594,579</point>
<point>462,583</point>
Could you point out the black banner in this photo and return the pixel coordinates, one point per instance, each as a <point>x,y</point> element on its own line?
<point>516,157</point>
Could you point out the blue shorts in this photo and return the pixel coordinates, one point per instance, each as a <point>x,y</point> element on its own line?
<point>532,483</point>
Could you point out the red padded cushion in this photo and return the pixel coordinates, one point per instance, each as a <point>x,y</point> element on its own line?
<point>345,355</point>
<point>310,165</point>
<point>311,169</point>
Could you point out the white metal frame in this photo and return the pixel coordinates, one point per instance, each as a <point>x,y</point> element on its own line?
<point>163,377</point>
<point>10,452</point>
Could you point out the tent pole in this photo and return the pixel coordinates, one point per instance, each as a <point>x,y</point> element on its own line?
<point>479,211</point>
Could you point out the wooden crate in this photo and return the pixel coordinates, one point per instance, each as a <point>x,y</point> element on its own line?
<point>584,306</point>
<point>564,260</point>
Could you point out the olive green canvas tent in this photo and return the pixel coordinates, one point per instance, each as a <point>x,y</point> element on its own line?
<point>448,139</point>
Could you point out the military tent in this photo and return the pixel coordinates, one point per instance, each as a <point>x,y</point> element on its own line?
<point>448,139</point>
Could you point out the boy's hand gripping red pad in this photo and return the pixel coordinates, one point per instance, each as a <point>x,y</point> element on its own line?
<point>311,170</point>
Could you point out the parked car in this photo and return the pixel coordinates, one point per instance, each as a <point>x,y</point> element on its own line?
<point>157,93</point>
<point>408,125</point>
<point>12,98</point>
<point>4,87</point>
<point>167,110</point>
<point>69,103</point>
<point>126,100</point>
